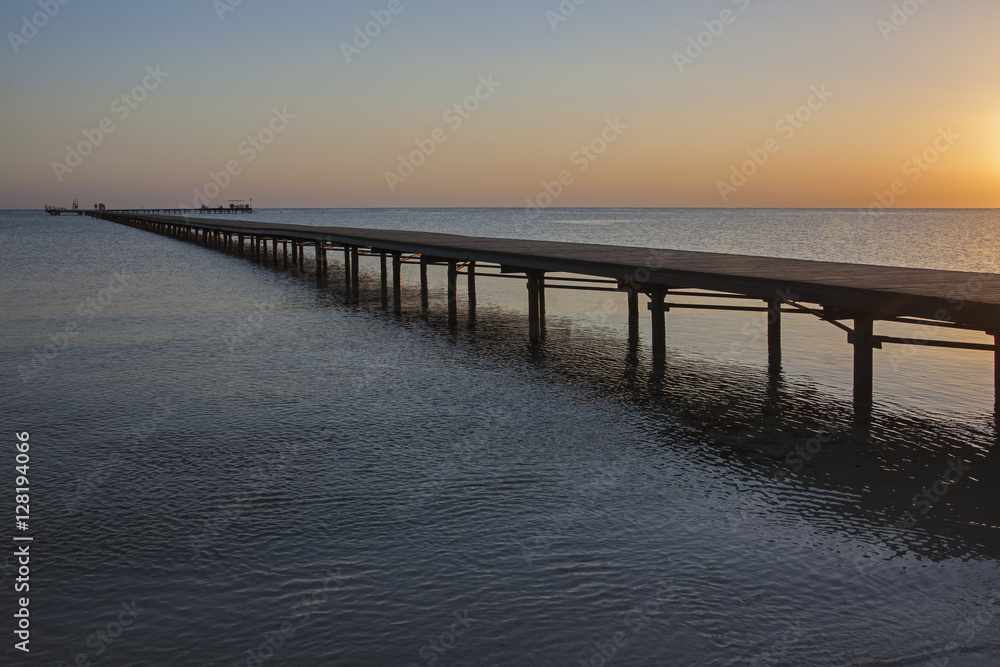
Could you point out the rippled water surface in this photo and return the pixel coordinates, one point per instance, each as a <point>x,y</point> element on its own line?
<point>271,476</point>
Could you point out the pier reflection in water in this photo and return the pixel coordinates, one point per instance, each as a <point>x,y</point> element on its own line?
<point>911,482</point>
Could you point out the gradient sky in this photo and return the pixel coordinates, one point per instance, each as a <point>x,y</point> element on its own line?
<point>894,95</point>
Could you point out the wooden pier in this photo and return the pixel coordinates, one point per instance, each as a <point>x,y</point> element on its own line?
<point>849,296</point>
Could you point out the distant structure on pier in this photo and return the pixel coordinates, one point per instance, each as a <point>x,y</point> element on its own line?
<point>59,210</point>
<point>235,206</point>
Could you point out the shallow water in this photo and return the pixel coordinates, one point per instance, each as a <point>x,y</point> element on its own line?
<point>250,460</point>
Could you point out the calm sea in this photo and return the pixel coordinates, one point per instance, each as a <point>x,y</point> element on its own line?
<point>230,466</point>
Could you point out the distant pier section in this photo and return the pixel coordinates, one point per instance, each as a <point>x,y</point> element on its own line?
<point>235,206</point>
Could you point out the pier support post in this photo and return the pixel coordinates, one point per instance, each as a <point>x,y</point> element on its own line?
<point>536,305</point>
<point>242,242</point>
<point>774,336</point>
<point>864,366</point>
<point>274,252</point>
<point>633,326</point>
<point>302,256</point>
<point>774,348</point>
<point>541,300</point>
<point>472,293</point>
<point>347,273</point>
<point>385,280</point>
<point>633,314</point>
<point>355,276</point>
<point>397,283</point>
<point>319,255</point>
<point>424,298</point>
<point>658,311</point>
<point>996,383</point>
<point>452,292</point>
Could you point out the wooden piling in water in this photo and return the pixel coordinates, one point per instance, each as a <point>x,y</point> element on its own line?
<point>397,283</point>
<point>355,276</point>
<point>658,315</point>
<point>318,256</point>
<point>453,292</point>
<point>864,367</point>
<point>633,313</point>
<point>774,336</point>
<point>424,295</point>
<point>347,273</point>
<point>385,280</point>
<point>472,294</point>
<point>996,382</point>
<point>536,305</point>
<point>541,301</point>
